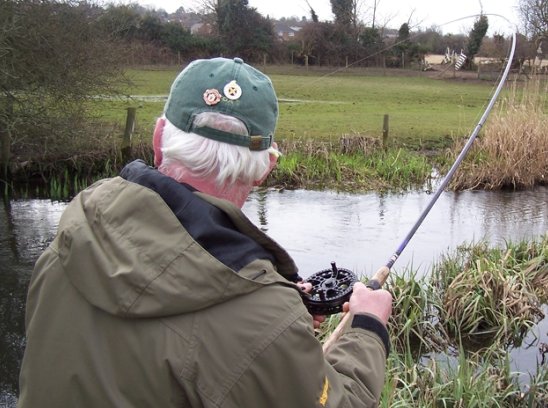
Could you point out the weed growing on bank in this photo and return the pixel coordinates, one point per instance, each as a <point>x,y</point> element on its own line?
<point>349,164</point>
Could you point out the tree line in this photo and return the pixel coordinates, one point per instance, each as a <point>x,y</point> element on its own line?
<point>231,27</point>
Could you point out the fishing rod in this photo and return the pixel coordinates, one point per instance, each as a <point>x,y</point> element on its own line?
<point>331,288</point>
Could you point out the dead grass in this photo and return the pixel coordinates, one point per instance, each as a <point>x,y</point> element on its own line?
<point>512,152</point>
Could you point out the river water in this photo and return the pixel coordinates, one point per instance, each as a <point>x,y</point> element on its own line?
<point>361,231</point>
<point>357,231</point>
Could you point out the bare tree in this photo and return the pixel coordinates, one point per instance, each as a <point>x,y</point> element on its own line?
<point>53,59</point>
<point>534,18</point>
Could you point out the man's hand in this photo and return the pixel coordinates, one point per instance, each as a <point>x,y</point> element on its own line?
<point>316,319</point>
<point>375,302</point>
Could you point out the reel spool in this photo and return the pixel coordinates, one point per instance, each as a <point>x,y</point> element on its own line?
<point>331,288</point>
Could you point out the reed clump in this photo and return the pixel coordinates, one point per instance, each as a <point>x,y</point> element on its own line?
<point>467,379</point>
<point>431,363</point>
<point>513,149</point>
<point>494,293</point>
<point>414,322</point>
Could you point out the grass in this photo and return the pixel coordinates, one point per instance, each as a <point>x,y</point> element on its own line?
<point>431,364</point>
<point>424,112</point>
<point>466,380</point>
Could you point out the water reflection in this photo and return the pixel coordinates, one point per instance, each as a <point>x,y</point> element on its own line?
<point>26,228</point>
<point>358,231</point>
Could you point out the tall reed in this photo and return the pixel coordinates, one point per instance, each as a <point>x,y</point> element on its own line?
<point>414,323</point>
<point>512,152</point>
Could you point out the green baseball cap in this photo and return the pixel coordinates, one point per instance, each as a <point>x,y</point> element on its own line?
<point>230,87</point>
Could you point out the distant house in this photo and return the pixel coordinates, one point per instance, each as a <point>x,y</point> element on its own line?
<point>192,22</point>
<point>286,31</point>
<point>201,29</point>
<point>389,33</point>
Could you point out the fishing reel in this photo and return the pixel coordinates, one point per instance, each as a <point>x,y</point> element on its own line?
<point>331,288</point>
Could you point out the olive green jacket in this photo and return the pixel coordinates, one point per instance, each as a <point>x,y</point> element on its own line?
<point>127,309</point>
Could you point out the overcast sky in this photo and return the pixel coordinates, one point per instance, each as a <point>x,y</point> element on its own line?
<point>392,13</point>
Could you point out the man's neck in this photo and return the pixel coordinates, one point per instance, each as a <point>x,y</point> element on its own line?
<point>236,194</point>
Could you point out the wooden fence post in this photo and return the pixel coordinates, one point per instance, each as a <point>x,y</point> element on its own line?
<point>4,154</point>
<point>128,134</point>
<point>385,132</point>
<point>5,142</point>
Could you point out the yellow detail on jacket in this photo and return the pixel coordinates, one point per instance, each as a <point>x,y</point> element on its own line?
<point>323,398</point>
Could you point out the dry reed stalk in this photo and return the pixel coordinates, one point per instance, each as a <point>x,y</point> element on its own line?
<point>513,150</point>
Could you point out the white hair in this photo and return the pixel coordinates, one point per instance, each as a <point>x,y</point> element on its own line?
<point>191,154</point>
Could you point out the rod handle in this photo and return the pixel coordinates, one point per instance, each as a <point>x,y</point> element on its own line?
<point>334,336</point>
<point>379,278</point>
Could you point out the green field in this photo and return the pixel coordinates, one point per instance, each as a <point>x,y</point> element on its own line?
<point>331,126</point>
<point>424,112</point>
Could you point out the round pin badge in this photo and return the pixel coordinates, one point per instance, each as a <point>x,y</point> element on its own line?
<point>212,97</point>
<point>232,90</point>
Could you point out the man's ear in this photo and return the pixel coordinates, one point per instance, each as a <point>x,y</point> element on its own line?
<point>273,162</point>
<point>157,141</point>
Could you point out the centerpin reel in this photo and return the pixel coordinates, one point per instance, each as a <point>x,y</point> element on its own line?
<point>331,288</point>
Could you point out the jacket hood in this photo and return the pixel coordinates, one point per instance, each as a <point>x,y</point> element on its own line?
<point>133,251</point>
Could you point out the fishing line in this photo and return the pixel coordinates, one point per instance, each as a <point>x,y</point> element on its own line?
<point>331,288</point>
<point>379,278</point>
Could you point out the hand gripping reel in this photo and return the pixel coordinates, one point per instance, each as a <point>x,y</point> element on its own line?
<point>331,288</point>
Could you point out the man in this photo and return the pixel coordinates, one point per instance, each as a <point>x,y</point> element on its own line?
<point>158,292</point>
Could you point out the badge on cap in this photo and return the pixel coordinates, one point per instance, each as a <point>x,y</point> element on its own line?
<point>232,90</point>
<point>212,96</point>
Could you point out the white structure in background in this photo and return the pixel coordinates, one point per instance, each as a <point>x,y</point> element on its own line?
<point>450,57</point>
<point>460,60</point>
